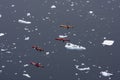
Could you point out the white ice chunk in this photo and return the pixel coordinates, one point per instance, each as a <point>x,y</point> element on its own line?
<point>26,65</point>
<point>1,71</point>
<point>12,5</point>
<point>15,73</point>
<point>8,52</point>
<point>105,73</point>
<point>3,66</point>
<point>74,34</point>
<point>87,1</point>
<point>2,34</point>
<point>53,6</point>
<point>20,61</point>
<point>28,14</point>
<point>24,22</point>
<point>47,53</point>
<point>108,42</point>
<point>24,71</point>
<point>0,15</point>
<point>91,12</point>
<point>27,75</point>
<point>27,38</point>
<point>26,29</point>
<point>76,74</point>
<point>4,49</point>
<point>82,69</point>
<point>63,36</point>
<point>74,46</point>
<point>10,61</point>
<point>72,4</point>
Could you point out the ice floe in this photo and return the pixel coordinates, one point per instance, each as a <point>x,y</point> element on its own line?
<point>74,46</point>
<point>108,42</point>
<point>63,36</point>
<point>28,14</point>
<point>91,12</point>
<point>3,66</point>
<point>27,38</point>
<point>24,22</point>
<point>9,61</point>
<point>76,74</point>
<point>53,6</point>
<point>47,53</point>
<point>2,34</point>
<point>0,15</point>
<point>27,75</point>
<point>12,5</point>
<point>26,65</point>
<point>82,69</point>
<point>4,49</point>
<point>20,61</point>
<point>15,73</point>
<point>105,73</point>
<point>8,52</point>
<point>1,71</point>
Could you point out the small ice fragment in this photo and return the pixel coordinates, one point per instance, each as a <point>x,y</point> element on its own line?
<point>28,14</point>
<point>8,52</point>
<point>24,22</point>
<point>2,34</point>
<point>91,12</point>
<point>74,34</point>
<point>1,71</point>
<point>12,5</point>
<point>14,43</point>
<point>3,66</point>
<point>20,61</point>
<point>82,64</point>
<point>82,69</point>
<point>105,73</point>
<point>74,46</point>
<point>36,29</point>
<point>76,74</point>
<point>0,15</point>
<point>26,65</point>
<point>24,71</point>
<point>47,53</point>
<point>53,6</point>
<point>63,36</point>
<point>72,4</point>
<point>3,49</point>
<point>15,73</point>
<point>27,75</point>
<point>87,1</point>
<point>27,38</point>
<point>92,29</point>
<point>9,61</point>
<point>108,42</point>
<point>26,29</point>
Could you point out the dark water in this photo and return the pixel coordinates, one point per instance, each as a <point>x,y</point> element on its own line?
<point>93,21</point>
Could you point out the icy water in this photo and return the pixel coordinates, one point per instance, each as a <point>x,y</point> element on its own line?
<point>93,51</point>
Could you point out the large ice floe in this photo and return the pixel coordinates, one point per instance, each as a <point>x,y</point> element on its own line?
<point>108,42</point>
<point>24,22</point>
<point>72,46</point>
